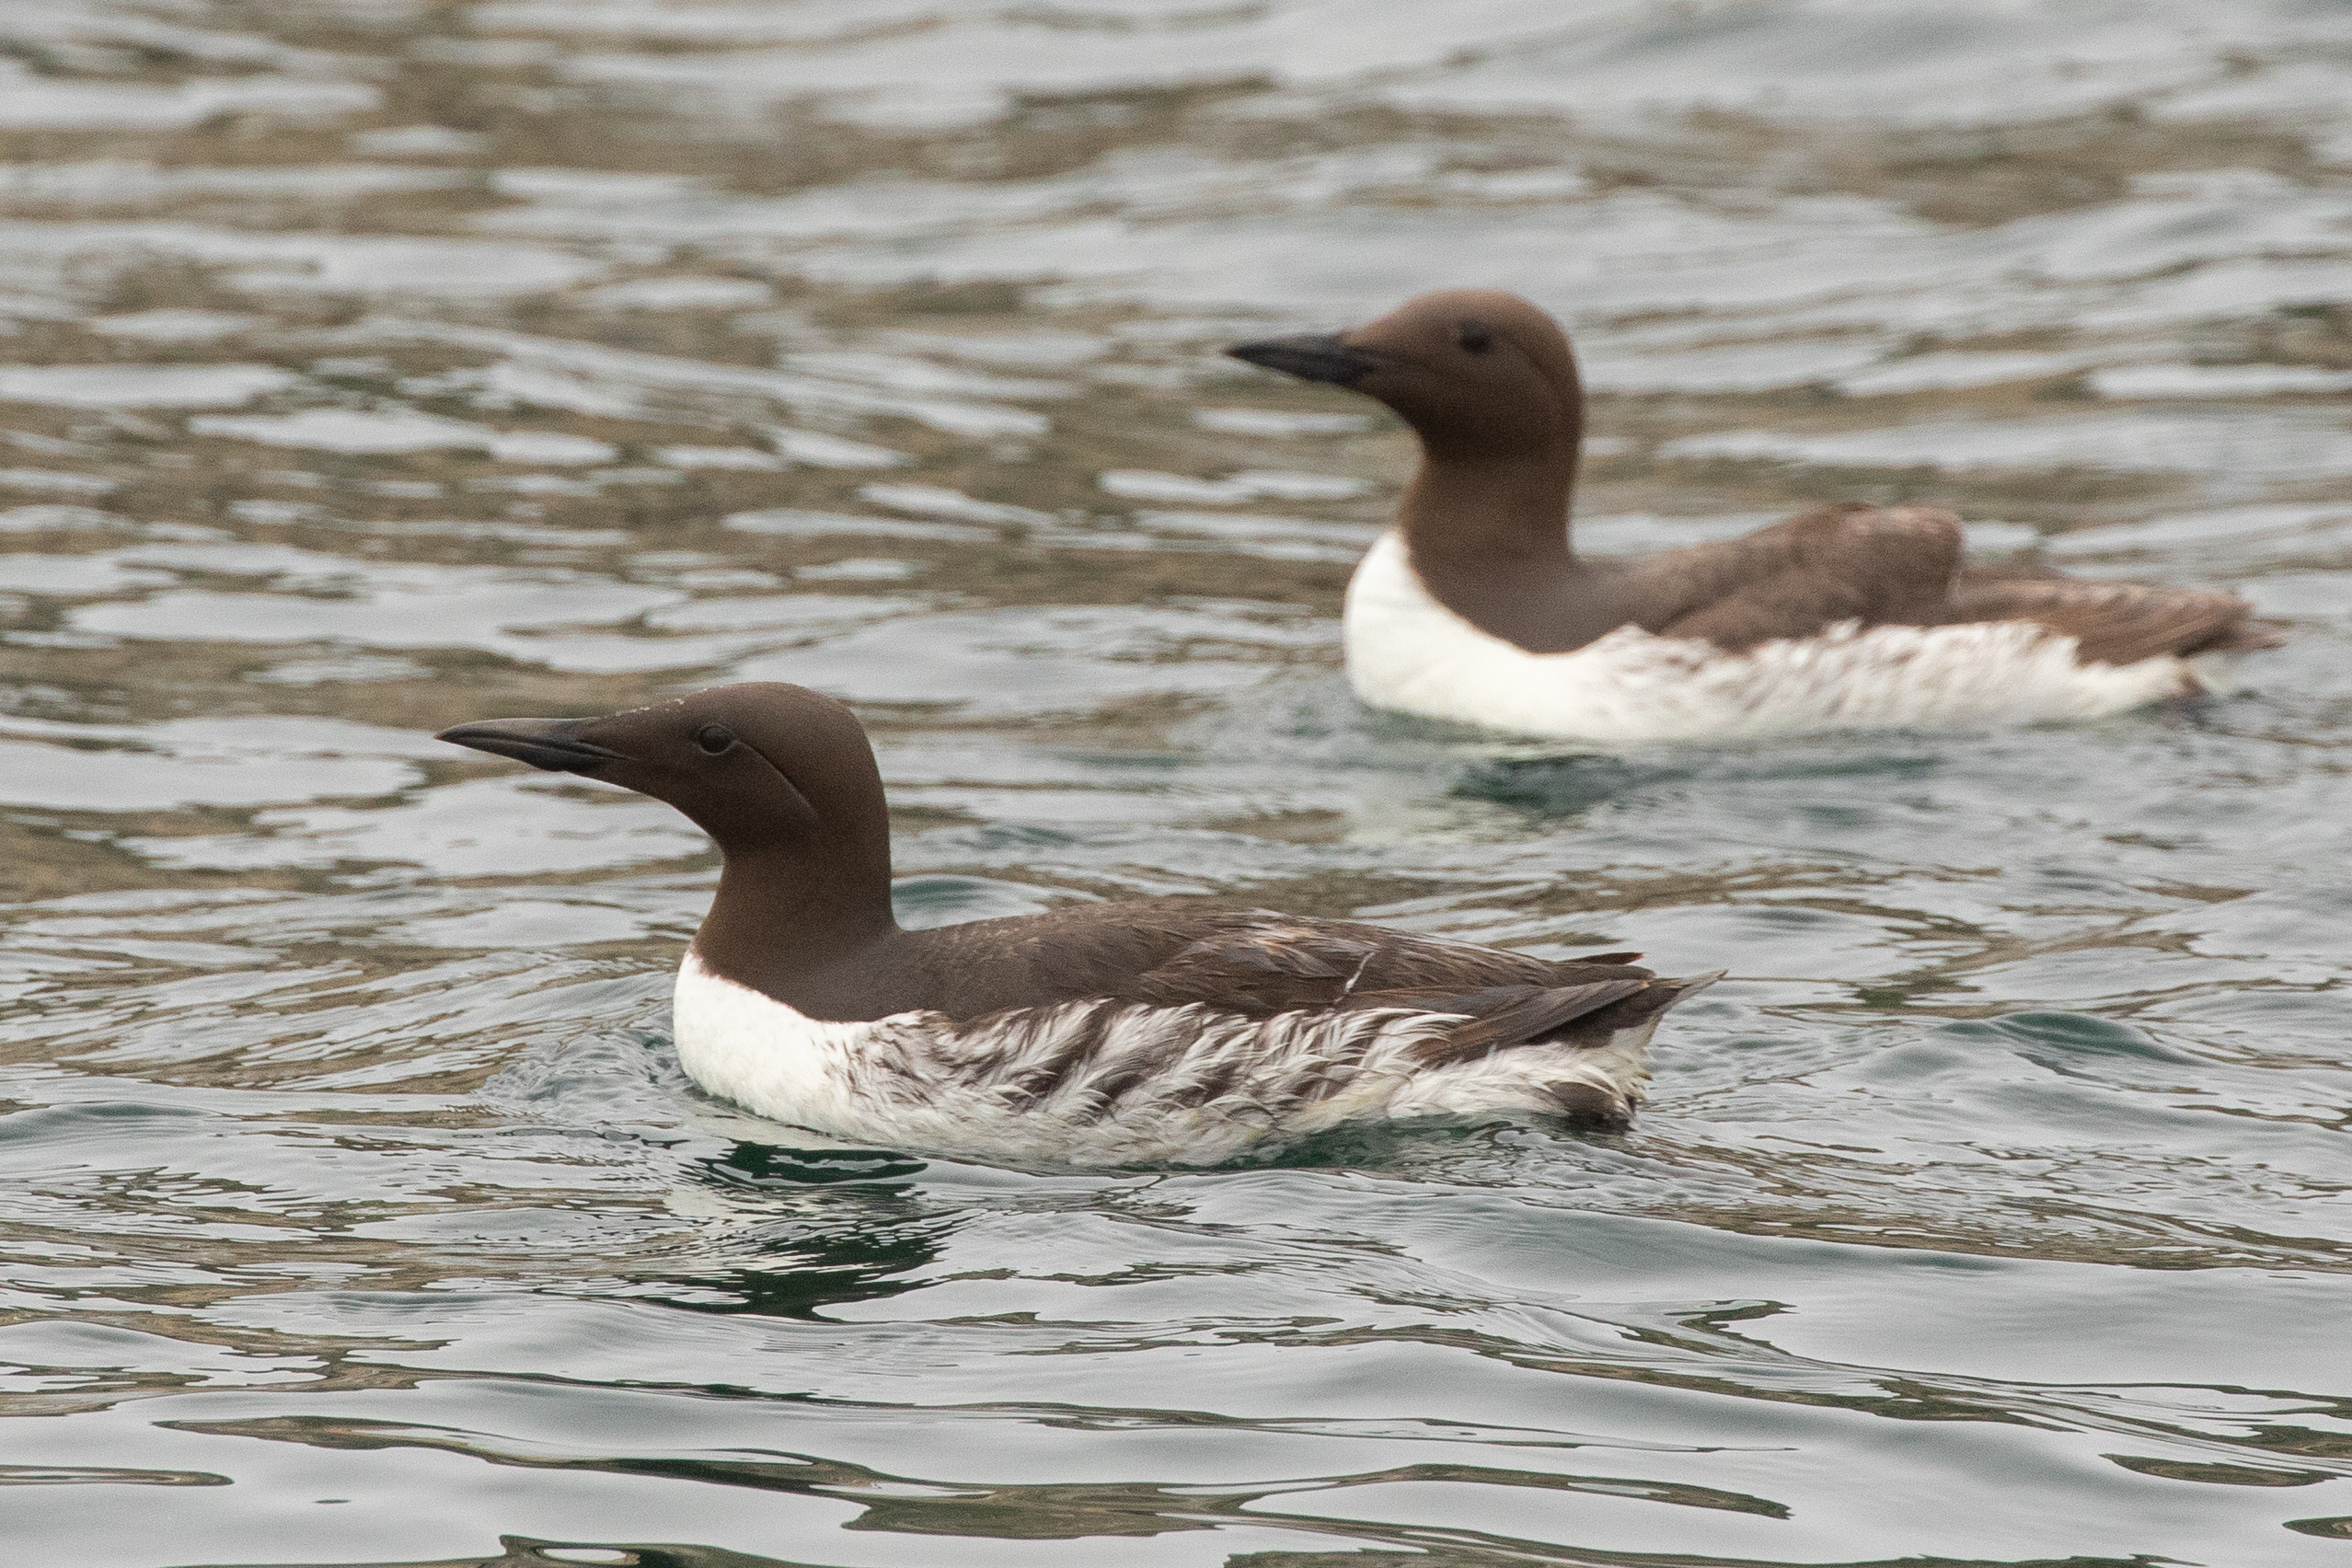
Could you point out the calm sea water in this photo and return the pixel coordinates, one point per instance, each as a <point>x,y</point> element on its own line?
<point>372,366</point>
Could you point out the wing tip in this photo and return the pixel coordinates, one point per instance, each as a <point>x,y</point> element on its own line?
<point>2251,636</point>
<point>1688,987</point>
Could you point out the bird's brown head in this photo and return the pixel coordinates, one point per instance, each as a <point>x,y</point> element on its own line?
<point>761,767</point>
<point>1481,376</point>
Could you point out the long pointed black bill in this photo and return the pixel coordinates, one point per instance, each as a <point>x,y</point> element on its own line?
<point>1310,356</point>
<point>551,743</point>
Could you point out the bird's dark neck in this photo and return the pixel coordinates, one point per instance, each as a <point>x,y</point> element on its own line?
<point>1491,514</point>
<point>1488,536</point>
<point>1494,491</point>
<point>802,923</point>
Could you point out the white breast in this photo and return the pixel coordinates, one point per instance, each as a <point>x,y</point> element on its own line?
<point>1408,652</point>
<point>1150,1085</point>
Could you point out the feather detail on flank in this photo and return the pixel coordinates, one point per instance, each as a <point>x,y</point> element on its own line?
<point>1105,1082</point>
<point>1410,653</point>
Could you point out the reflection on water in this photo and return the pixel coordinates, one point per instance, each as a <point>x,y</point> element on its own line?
<point>373,367</point>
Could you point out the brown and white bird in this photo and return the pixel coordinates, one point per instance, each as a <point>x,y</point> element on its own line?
<point>1477,608</point>
<point>1160,1033</point>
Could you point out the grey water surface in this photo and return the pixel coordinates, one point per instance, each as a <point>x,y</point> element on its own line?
<point>371,365</point>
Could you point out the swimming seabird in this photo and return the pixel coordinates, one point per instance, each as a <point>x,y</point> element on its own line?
<point>1166,1032</point>
<point>1476,607</point>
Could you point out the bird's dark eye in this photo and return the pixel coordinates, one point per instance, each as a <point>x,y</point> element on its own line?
<point>714,738</point>
<point>1474,337</point>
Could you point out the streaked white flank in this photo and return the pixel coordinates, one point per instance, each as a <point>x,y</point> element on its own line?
<point>916,1080</point>
<point>1408,652</point>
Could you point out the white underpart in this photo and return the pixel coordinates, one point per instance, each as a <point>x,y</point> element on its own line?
<point>1408,652</point>
<point>916,1080</point>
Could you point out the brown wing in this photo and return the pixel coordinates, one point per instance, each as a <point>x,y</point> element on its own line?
<point>1899,566</point>
<point>1518,1015</point>
<point>1257,963</point>
<point>1274,963</point>
<point>2115,623</point>
<point>1589,1014</point>
<point>1872,564</point>
<point>1266,964</point>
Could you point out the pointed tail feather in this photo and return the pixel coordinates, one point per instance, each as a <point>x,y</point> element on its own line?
<point>2116,623</point>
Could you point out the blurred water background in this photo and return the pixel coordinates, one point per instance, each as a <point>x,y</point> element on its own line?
<point>372,366</point>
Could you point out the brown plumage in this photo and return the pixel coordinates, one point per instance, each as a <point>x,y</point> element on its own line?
<point>2114,623</point>
<point>1256,964</point>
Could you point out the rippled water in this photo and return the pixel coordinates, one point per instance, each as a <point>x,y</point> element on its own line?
<point>371,366</point>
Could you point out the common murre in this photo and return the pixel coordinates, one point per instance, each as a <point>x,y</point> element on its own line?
<point>1476,608</point>
<point>1102,1033</point>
